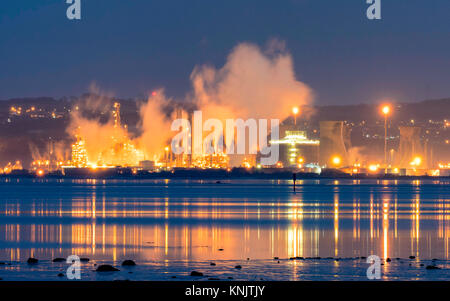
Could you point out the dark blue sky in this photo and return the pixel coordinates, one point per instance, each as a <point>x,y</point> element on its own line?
<point>130,47</point>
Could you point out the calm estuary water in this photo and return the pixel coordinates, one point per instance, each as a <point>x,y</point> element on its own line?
<point>177,224</point>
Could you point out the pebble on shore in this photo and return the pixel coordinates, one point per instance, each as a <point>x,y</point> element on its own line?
<point>432,267</point>
<point>196,274</point>
<point>32,260</point>
<point>59,259</point>
<point>106,268</point>
<point>128,262</point>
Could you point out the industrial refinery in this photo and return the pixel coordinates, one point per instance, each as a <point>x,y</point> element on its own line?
<point>322,151</point>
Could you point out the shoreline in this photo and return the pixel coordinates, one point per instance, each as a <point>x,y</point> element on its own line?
<point>283,269</point>
<point>216,175</point>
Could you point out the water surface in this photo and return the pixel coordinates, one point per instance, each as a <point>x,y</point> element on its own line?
<point>182,222</point>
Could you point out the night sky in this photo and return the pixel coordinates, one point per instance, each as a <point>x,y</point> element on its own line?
<point>132,47</point>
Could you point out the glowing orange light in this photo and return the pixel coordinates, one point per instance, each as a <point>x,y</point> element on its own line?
<point>386,109</point>
<point>373,168</point>
<point>295,110</point>
<point>417,161</point>
<point>336,160</point>
<point>40,172</point>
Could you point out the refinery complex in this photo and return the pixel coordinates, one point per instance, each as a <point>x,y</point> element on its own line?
<point>327,149</point>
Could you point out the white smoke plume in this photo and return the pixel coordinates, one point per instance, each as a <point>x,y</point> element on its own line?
<point>155,125</point>
<point>355,155</point>
<point>252,84</point>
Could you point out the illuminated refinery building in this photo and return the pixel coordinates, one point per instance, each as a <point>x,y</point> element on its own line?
<point>296,149</point>
<point>120,151</point>
<point>79,153</point>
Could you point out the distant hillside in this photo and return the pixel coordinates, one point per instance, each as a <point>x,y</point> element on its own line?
<point>438,109</point>
<point>420,111</point>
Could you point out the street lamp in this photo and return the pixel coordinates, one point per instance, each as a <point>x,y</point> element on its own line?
<point>385,110</point>
<point>295,111</point>
<point>336,160</point>
<point>416,161</point>
<point>167,156</point>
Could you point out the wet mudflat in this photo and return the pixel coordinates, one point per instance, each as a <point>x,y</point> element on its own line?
<point>172,228</point>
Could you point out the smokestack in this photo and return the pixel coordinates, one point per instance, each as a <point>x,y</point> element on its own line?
<point>410,146</point>
<point>332,143</point>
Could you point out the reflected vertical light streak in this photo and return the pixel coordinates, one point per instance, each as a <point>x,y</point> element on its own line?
<point>94,204</point>
<point>417,223</point>
<point>272,241</point>
<point>395,216</point>
<point>371,216</point>
<point>356,218</point>
<point>114,243</point>
<point>186,241</point>
<point>336,224</point>
<point>446,226</point>
<point>103,238</point>
<point>103,205</point>
<point>415,229</point>
<point>166,208</point>
<point>300,218</point>
<point>166,239</point>
<point>440,206</point>
<point>124,239</point>
<point>385,228</point>
<point>60,237</point>
<point>295,233</point>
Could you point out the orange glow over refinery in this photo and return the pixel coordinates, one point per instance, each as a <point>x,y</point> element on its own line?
<point>123,151</point>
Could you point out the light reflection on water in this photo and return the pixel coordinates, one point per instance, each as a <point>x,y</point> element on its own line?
<point>192,220</point>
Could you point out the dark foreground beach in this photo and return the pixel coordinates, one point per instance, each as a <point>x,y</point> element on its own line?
<point>343,269</point>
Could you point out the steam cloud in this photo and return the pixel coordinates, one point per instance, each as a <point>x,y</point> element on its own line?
<point>154,124</point>
<point>252,84</point>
